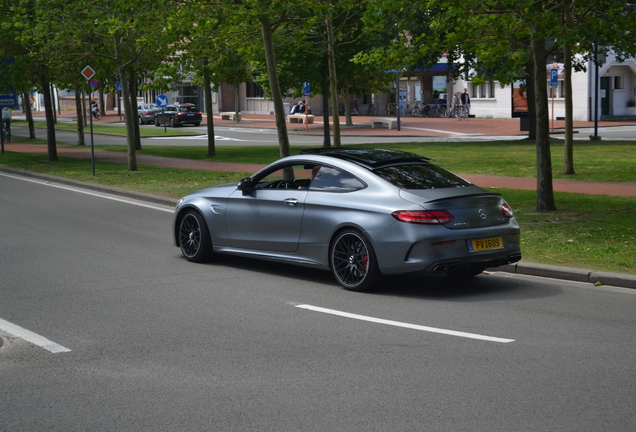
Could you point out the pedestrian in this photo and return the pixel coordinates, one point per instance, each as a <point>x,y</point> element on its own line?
<point>298,108</point>
<point>6,119</point>
<point>456,103</point>
<point>466,103</point>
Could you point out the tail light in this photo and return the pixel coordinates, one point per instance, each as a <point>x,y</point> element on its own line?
<point>507,210</point>
<point>427,217</point>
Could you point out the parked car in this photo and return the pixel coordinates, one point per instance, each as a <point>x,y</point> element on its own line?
<point>147,112</point>
<point>177,115</point>
<point>361,213</point>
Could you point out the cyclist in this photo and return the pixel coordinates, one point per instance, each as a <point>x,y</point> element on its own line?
<point>6,121</point>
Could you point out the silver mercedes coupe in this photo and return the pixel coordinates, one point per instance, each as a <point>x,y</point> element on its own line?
<point>361,213</point>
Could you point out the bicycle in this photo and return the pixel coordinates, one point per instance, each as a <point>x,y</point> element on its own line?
<point>416,111</point>
<point>391,109</point>
<point>438,110</point>
<point>6,133</point>
<point>371,111</point>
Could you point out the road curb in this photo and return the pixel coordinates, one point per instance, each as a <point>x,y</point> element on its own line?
<point>570,273</point>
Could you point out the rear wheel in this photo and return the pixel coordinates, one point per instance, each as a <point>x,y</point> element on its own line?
<point>194,237</point>
<point>172,122</point>
<point>353,261</point>
<point>157,122</point>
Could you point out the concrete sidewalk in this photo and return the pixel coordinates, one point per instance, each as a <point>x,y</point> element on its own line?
<point>410,126</point>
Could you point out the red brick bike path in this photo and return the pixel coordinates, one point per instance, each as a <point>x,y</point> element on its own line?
<point>584,187</point>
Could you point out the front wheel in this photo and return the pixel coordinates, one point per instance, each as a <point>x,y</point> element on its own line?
<point>415,112</point>
<point>194,237</point>
<point>353,261</point>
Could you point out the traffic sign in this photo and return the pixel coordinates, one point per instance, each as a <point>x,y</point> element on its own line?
<point>8,97</point>
<point>88,72</point>
<point>554,77</point>
<point>162,100</point>
<point>307,88</point>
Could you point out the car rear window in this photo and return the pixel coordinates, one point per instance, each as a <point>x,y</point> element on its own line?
<point>189,108</point>
<point>420,176</point>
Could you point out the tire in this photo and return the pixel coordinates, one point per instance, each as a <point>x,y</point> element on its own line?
<point>172,123</point>
<point>434,112</point>
<point>197,124</point>
<point>141,122</point>
<point>157,122</point>
<point>371,111</point>
<point>353,261</point>
<point>415,112</point>
<point>194,237</point>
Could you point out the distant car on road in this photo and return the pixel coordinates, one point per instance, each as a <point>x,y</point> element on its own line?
<point>177,115</point>
<point>361,213</point>
<point>147,112</point>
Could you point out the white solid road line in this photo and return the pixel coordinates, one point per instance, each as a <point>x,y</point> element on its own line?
<point>29,336</point>
<point>404,325</point>
<point>92,193</point>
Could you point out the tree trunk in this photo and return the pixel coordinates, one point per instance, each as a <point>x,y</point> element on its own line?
<point>237,104</point>
<point>79,109</point>
<point>545,193</point>
<point>123,77</point>
<point>48,109</point>
<point>326,130</point>
<point>568,149</point>
<point>135,110</point>
<point>333,82</point>
<point>532,112</point>
<point>26,105</point>
<point>277,98</point>
<point>207,89</point>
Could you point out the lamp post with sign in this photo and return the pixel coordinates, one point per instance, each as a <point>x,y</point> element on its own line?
<point>554,83</point>
<point>306,94</point>
<point>162,102</point>
<point>88,73</point>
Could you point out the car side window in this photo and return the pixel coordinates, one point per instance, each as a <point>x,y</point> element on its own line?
<point>330,179</point>
<point>286,177</point>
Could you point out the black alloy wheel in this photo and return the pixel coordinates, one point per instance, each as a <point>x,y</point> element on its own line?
<point>353,261</point>
<point>194,237</point>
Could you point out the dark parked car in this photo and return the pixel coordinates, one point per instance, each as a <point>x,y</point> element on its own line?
<point>177,115</point>
<point>147,112</point>
<point>361,213</point>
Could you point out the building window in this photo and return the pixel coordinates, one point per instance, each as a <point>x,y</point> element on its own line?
<point>254,90</point>
<point>618,82</point>
<point>483,91</point>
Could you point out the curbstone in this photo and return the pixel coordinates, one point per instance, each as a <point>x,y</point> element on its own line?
<point>613,279</point>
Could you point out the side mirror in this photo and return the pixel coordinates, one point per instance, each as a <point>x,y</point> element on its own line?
<point>245,185</point>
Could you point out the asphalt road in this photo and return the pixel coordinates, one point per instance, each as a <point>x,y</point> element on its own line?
<point>137,338</point>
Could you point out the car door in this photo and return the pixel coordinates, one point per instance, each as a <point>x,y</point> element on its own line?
<point>269,217</point>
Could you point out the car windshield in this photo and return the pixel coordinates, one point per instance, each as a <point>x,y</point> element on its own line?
<point>420,176</point>
<point>188,108</point>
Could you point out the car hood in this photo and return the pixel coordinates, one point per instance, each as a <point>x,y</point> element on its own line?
<point>222,190</point>
<point>470,206</point>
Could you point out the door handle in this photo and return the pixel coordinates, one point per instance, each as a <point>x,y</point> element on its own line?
<point>290,201</point>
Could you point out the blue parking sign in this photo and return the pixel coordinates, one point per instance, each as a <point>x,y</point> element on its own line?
<point>554,77</point>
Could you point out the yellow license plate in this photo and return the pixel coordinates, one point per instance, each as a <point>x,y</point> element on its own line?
<point>485,244</point>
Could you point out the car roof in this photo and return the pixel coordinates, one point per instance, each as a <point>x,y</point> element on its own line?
<point>369,158</point>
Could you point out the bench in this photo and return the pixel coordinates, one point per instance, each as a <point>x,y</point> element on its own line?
<point>230,116</point>
<point>389,122</point>
<point>300,118</point>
